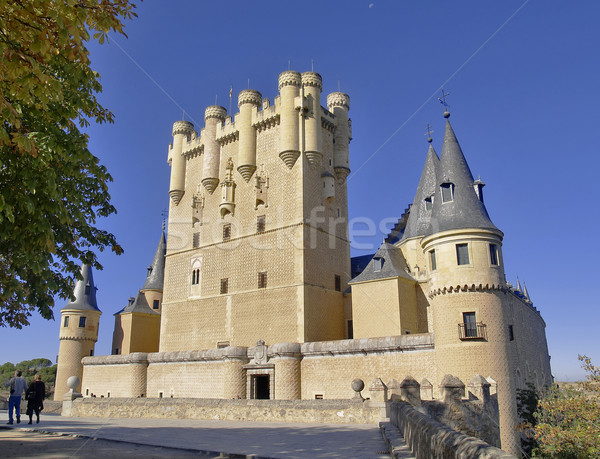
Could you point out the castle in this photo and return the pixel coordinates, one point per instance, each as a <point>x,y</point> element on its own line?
<point>254,295</point>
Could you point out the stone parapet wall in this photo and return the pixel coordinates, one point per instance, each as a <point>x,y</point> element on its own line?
<point>319,411</point>
<point>427,437</point>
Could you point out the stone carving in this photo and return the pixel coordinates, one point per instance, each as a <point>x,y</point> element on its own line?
<point>197,208</point>
<point>312,79</point>
<point>183,127</point>
<point>260,353</point>
<point>249,96</point>
<point>338,99</point>
<point>215,111</point>
<point>289,78</point>
<point>227,205</point>
<point>262,184</point>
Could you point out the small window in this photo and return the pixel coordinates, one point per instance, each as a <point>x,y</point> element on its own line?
<point>260,224</point>
<point>222,344</point>
<point>350,330</point>
<point>116,351</point>
<point>155,304</point>
<point>377,264</point>
<point>432,260</point>
<point>66,321</point>
<point>91,352</point>
<point>227,231</point>
<point>511,333</point>
<point>87,288</point>
<point>195,278</point>
<point>447,192</point>
<point>224,286</point>
<point>494,254</point>
<point>262,280</point>
<point>462,254</point>
<point>318,396</point>
<point>81,322</point>
<point>108,395</point>
<point>429,203</point>
<point>338,283</point>
<point>470,324</point>
<point>196,239</point>
<point>160,395</point>
<point>87,391</point>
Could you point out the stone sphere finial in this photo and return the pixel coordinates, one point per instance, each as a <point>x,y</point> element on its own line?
<point>73,382</point>
<point>357,386</point>
<point>446,114</point>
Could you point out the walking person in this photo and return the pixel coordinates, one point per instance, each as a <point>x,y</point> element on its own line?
<point>35,398</point>
<point>17,385</point>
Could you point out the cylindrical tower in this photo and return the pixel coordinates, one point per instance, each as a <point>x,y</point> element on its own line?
<point>213,115</point>
<point>312,84</point>
<point>78,332</point>
<point>289,137</point>
<point>248,101</point>
<point>182,130</point>
<point>339,103</point>
<point>287,358</point>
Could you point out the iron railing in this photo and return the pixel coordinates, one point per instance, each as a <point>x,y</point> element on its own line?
<point>476,330</point>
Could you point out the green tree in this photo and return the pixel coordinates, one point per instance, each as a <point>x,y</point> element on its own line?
<point>568,419</point>
<point>527,403</point>
<point>52,188</point>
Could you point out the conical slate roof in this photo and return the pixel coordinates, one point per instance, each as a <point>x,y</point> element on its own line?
<point>156,271</point>
<point>465,210</point>
<point>139,305</point>
<point>388,262</point>
<point>420,211</point>
<point>84,292</point>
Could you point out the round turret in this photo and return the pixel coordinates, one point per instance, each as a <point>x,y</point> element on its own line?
<point>248,102</point>
<point>289,123</point>
<point>182,127</point>
<point>313,148</point>
<point>182,130</point>
<point>213,115</point>
<point>339,103</point>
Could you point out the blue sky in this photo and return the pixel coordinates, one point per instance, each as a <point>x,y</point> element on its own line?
<point>523,78</point>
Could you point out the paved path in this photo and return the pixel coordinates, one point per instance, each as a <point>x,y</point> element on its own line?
<point>264,439</point>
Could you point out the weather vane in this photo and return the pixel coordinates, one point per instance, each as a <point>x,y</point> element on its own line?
<point>444,103</point>
<point>164,215</point>
<point>428,133</point>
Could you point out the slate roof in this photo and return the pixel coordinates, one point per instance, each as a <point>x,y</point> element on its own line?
<point>392,262</point>
<point>85,298</point>
<point>139,304</point>
<point>465,210</point>
<point>420,214</point>
<point>156,271</point>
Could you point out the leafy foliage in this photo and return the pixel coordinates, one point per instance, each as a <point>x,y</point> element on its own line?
<point>527,403</point>
<point>29,368</point>
<point>568,419</point>
<point>52,188</point>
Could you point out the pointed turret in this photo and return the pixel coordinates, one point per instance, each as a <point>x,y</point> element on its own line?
<point>156,271</point>
<point>420,211</point>
<point>519,288</point>
<point>84,292</point>
<point>526,293</point>
<point>139,304</point>
<point>456,204</point>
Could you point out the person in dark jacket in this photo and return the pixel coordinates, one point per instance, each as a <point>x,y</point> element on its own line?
<point>35,398</point>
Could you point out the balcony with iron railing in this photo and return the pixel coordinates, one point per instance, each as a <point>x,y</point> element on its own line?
<point>472,331</point>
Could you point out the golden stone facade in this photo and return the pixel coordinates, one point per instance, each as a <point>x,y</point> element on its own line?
<point>258,300</point>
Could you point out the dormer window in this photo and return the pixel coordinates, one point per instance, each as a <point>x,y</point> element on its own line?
<point>377,264</point>
<point>149,271</point>
<point>87,288</point>
<point>447,192</point>
<point>429,202</point>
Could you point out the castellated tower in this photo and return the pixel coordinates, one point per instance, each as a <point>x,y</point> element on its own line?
<point>78,331</point>
<point>268,257</point>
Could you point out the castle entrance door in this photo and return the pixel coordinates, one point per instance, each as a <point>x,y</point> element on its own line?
<point>260,387</point>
